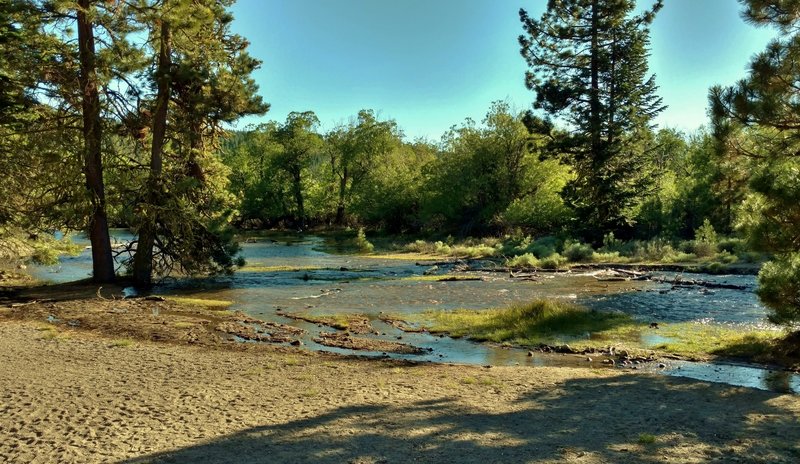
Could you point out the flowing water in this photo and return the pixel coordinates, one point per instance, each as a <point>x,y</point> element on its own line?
<point>299,274</point>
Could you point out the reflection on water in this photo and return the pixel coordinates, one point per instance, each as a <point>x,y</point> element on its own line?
<point>325,283</point>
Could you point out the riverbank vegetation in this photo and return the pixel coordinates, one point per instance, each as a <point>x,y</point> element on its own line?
<point>568,327</point>
<point>143,140</point>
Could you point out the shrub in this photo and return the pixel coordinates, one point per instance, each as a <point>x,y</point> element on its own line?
<point>553,261</point>
<point>705,240</point>
<point>611,243</point>
<point>731,245</point>
<point>544,247</point>
<point>608,257</point>
<point>363,245</point>
<point>577,252</point>
<point>524,260</point>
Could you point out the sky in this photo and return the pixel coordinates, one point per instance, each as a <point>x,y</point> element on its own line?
<point>429,64</point>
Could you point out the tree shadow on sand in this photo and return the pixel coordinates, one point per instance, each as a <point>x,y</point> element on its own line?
<point>634,418</point>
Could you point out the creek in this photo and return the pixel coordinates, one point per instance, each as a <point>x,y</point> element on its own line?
<point>304,275</point>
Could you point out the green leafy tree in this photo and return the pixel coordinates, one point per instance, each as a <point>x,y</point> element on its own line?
<point>390,197</point>
<point>300,145</point>
<point>489,177</point>
<point>355,150</point>
<point>262,188</point>
<point>759,118</point>
<point>588,67</point>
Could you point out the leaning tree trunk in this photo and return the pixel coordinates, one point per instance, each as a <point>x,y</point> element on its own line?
<point>102,260</point>
<point>143,259</point>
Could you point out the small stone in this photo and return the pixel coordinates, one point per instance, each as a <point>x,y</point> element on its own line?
<point>589,359</point>
<point>296,343</point>
<point>662,366</point>
<point>530,354</point>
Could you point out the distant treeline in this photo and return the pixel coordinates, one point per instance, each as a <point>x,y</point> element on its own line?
<point>486,178</point>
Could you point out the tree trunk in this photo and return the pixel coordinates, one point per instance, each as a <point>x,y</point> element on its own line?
<point>342,193</point>
<point>143,259</point>
<point>298,196</point>
<point>594,97</point>
<point>102,260</point>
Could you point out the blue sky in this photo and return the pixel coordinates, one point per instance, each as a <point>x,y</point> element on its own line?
<point>431,63</point>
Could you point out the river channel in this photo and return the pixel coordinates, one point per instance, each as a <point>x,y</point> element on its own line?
<point>301,275</point>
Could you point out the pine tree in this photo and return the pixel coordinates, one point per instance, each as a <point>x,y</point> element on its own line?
<point>759,120</point>
<point>201,79</point>
<point>588,67</point>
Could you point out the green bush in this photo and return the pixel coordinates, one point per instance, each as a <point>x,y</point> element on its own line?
<point>577,252</point>
<point>361,242</point>
<point>524,261</point>
<point>608,257</point>
<point>554,261</point>
<point>611,243</point>
<point>544,247</point>
<point>705,240</point>
<point>731,245</point>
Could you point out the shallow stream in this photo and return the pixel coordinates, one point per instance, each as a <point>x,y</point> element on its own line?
<point>299,274</point>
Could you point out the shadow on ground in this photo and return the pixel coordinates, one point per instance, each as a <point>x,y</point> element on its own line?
<point>633,418</point>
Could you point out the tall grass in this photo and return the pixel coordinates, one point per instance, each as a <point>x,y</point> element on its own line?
<point>541,321</point>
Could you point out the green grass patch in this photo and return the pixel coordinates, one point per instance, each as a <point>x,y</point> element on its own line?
<point>438,278</point>
<point>257,268</point>
<point>469,248</point>
<point>183,325</point>
<point>691,339</point>
<point>121,343</point>
<point>202,302</point>
<point>646,439</point>
<point>402,256</point>
<point>555,322</point>
<point>541,321</point>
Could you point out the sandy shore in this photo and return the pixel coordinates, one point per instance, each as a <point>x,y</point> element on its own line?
<point>80,397</point>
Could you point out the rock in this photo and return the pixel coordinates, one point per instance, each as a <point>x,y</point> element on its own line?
<point>589,359</point>
<point>154,298</point>
<point>530,354</point>
<point>564,349</point>
<point>662,366</point>
<point>431,270</point>
<point>654,325</point>
<point>296,343</point>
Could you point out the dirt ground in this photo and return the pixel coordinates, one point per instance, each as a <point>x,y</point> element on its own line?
<point>99,389</point>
